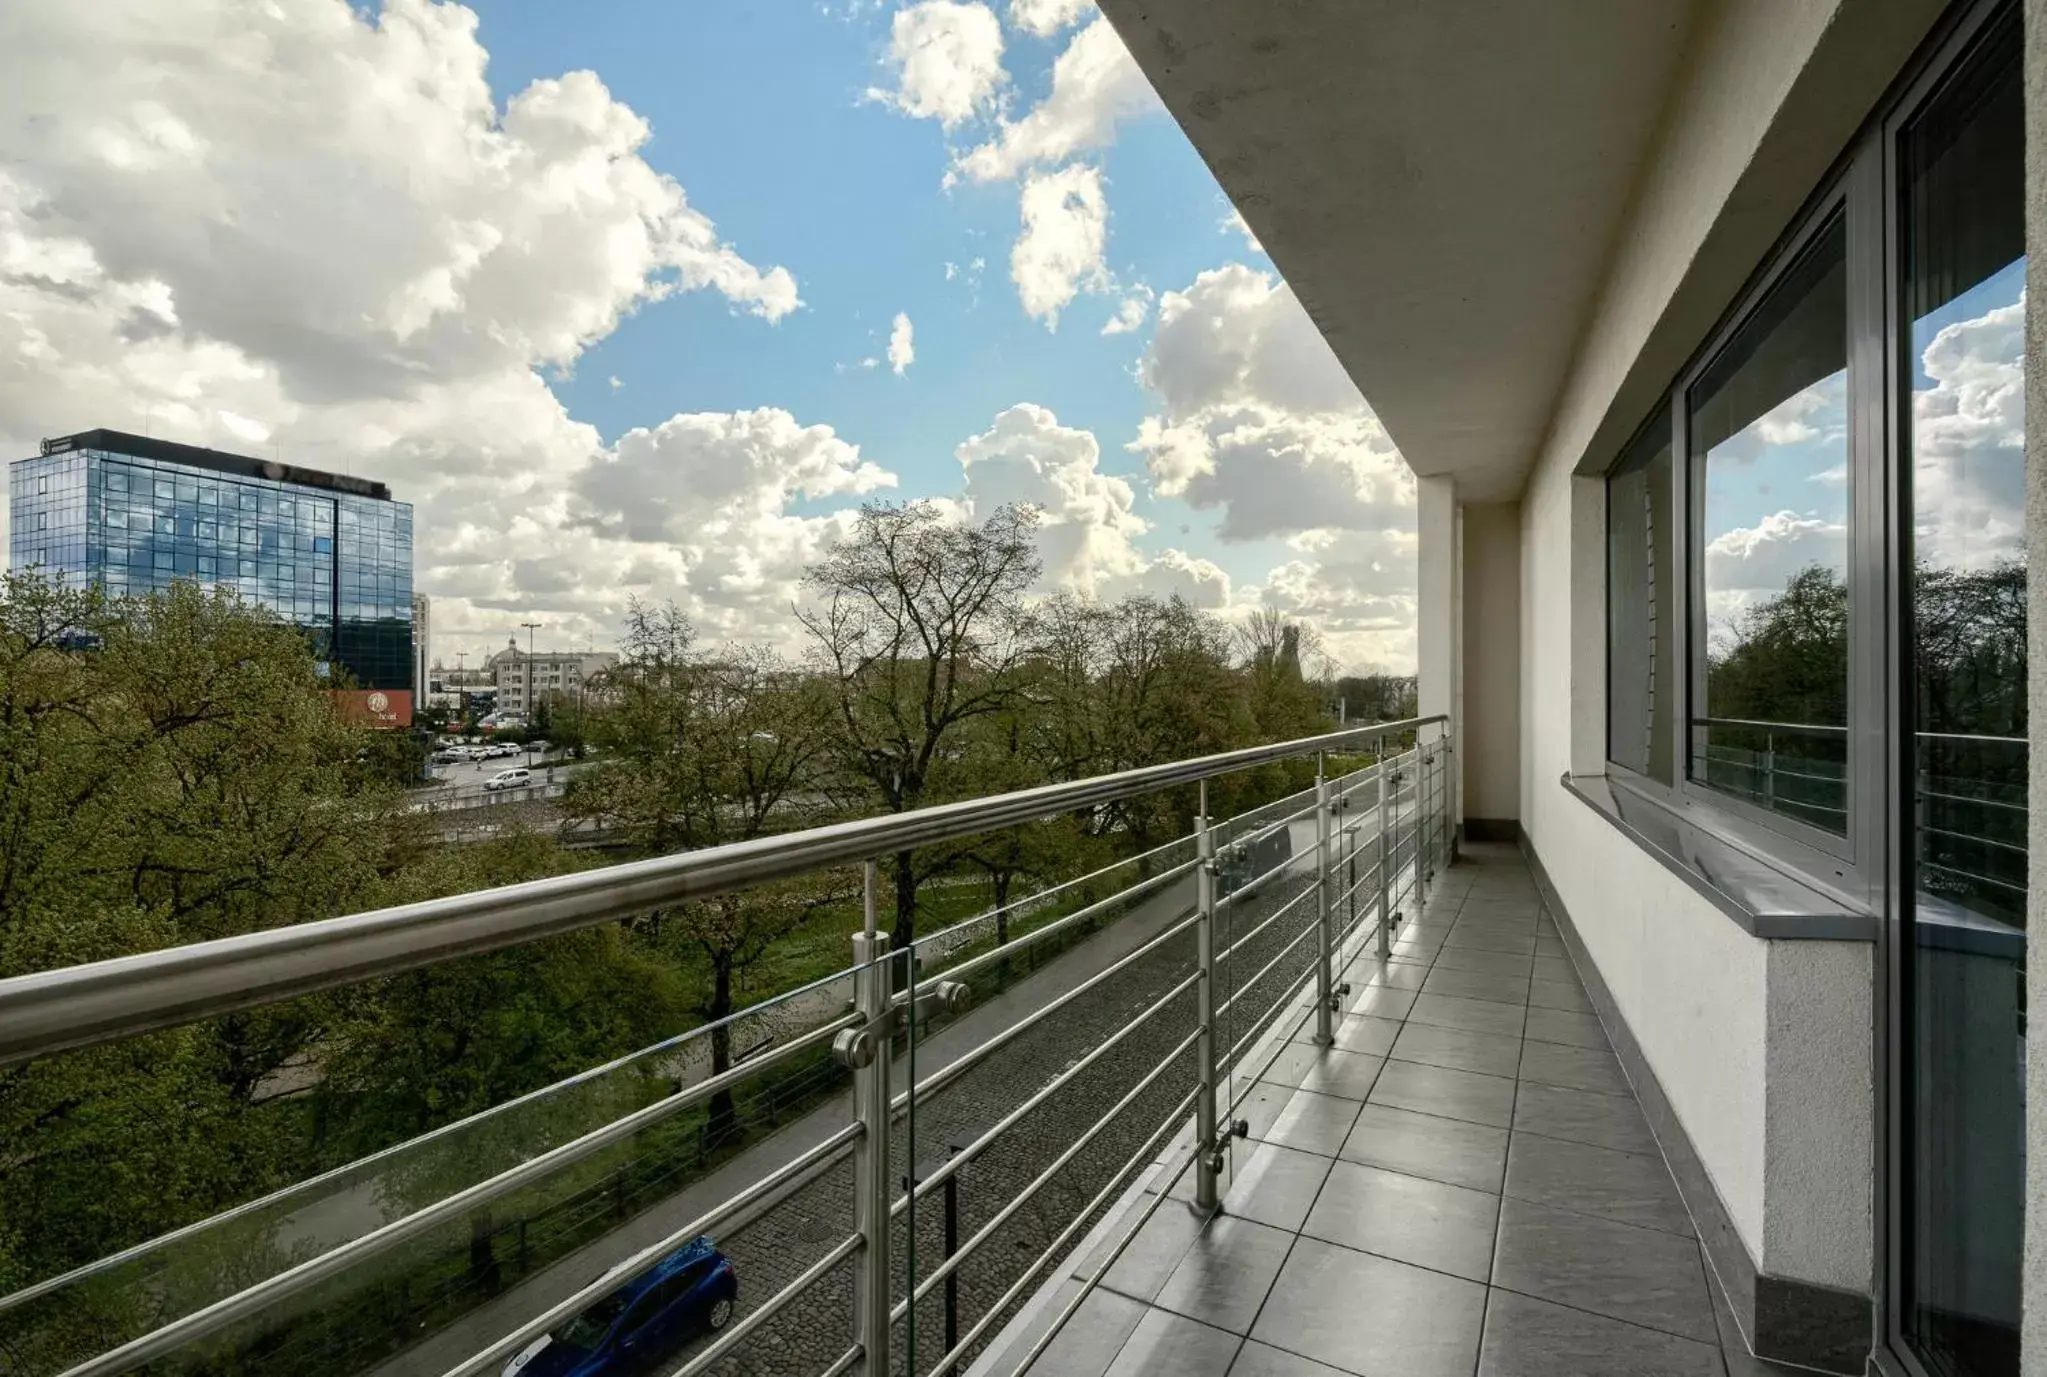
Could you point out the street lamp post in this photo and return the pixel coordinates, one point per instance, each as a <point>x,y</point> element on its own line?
<point>530,673</point>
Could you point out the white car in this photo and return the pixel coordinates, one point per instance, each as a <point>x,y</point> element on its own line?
<point>516,778</point>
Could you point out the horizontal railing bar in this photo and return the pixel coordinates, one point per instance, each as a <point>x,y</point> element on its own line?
<point>985,914</point>
<point>481,1116</point>
<point>1140,1158</point>
<point>1038,1182</point>
<point>958,1067</point>
<point>230,1309</point>
<point>1079,915</point>
<point>1262,1022</point>
<point>1817,728</point>
<point>960,1158</point>
<point>1271,918</point>
<point>1265,970</point>
<point>769,1308</point>
<point>845,1363</point>
<point>78,1006</point>
<point>639,1262</point>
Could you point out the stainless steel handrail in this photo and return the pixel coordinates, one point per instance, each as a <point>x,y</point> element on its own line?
<point>79,1006</point>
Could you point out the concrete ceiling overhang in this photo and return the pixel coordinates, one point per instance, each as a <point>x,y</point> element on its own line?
<point>1441,181</point>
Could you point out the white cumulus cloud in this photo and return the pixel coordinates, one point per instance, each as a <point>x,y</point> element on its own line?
<point>947,60</point>
<point>1043,18</point>
<point>1095,86</point>
<point>1065,230</point>
<point>1257,418</point>
<point>1131,311</point>
<point>1968,441</point>
<point>313,227</point>
<point>902,344</point>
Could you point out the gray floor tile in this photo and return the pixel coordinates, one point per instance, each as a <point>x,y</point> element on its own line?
<point>1502,923</point>
<point>1261,1106</point>
<point>1476,1015</point>
<point>1314,1123</point>
<point>1290,1065</point>
<point>1090,1340</point>
<point>1596,1180</point>
<point>1398,973</point>
<point>1336,1072</point>
<point>1643,1276</point>
<point>1381,1002</point>
<point>1167,1345</point>
<point>1583,1116</point>
<point>1558,969</point>
<point>1262,1360</point>
<point>1556,994</point>
<point>1453,1094</point>
<point>1271,1184</point>
<point>1454,958</point>
<point>1443,1227</point>
<point>1152,1255</point>
<point>1580,1068</point>
<point>1501,989</point>
<point>1565,1026</point>
<point>1525,1337</point>
<point>1224,1277</point>
<point>1491,939</point>
<point>1550,946</point>
<point>1372,1315</point>
<point>1452,1150</point>
<point>1360,1033</point>
<point>1462,1048</point>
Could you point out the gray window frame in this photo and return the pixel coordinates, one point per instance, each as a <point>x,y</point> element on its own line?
<point>1847,867</point>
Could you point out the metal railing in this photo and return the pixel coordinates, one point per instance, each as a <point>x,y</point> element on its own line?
<point>1297,939</point>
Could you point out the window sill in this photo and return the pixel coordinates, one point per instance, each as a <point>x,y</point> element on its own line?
<point>1766,901</point>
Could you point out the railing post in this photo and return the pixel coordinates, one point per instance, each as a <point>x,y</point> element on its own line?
<point>1325,976</point>
<point>871,1188</point>
<point>1424,767</point>
<point>1205,1143</point>
<point>1385,859</point>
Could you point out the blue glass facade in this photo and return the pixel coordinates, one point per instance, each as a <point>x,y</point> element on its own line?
<point>338,563</point>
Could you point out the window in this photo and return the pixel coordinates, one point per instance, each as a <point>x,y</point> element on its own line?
<point>1959,327</point>
<point>1769,473</point>
<point>1830,504</point>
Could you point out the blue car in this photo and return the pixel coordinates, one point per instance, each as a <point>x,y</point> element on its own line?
<point>687,1293</point>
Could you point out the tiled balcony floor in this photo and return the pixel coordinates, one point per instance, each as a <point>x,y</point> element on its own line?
<point>1464,1185</point>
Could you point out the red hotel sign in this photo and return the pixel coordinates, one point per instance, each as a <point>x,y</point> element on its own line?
<point>375,707</point>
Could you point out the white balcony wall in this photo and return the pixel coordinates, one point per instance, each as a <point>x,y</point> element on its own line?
<point>1762,1048</point>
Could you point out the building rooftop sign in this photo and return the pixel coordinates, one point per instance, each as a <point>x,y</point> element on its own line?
<point>195,456</point>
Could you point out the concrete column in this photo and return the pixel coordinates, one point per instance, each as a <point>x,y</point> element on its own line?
<point>1491,670</point>
<point>1439,632</point>
<point>2034,1330</point>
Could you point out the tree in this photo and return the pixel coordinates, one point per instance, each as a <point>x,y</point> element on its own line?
<point>173,771</point>
<point>701,751</point>
<point>919,633</point>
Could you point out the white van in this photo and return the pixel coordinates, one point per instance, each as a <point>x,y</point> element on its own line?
<point>517,778</point>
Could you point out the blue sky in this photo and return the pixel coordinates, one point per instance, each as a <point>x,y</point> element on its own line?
<point>596,287</point>
<point>777,140</point>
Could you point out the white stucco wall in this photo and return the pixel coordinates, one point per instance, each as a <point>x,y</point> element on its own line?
<point>1492,663</point>
<point>1763,1049</point>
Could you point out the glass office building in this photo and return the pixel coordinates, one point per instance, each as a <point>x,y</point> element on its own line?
<point>330,553</point>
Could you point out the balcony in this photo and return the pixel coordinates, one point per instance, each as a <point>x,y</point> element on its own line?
<point>1305,1085</point>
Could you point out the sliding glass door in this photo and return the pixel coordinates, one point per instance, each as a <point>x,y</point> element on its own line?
<point>1958,963</point>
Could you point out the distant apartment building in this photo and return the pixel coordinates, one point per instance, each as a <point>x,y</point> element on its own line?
<point>330,553</point>
<point>523,681</point>
<point>422,644</point>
